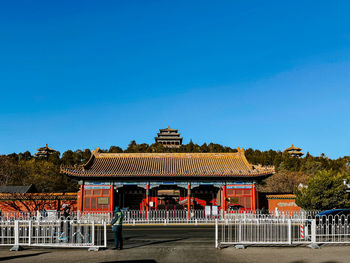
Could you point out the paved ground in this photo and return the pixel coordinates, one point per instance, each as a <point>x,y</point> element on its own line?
<point>179,244</point>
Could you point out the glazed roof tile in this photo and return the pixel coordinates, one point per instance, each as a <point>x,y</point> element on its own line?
<point>292,148</point>
<point>167,164</point>
<point>281,196</point>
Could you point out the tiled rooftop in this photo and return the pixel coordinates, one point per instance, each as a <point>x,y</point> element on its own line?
<point>167,164</point>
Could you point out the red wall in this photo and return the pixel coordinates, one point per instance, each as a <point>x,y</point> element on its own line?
<point>37,201</point>
<point>284,203</point>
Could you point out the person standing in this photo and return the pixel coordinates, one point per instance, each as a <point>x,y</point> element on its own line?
<point>117,228</point>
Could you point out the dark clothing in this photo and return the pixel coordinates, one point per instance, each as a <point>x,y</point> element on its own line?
<point>117,229</point>
<point>118,236</point>
<point>66,213</point>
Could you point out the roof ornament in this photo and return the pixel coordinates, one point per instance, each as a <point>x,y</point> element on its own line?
<point>94,152</point>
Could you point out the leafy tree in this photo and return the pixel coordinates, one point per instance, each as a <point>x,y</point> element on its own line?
<point>68,158</point>
<point>8,169</point>
<point>325,191</point>
<point>86,155</point>
<point>115,149</point>
<point>282,182</point>
<point>25,156</point>
<point>55,158</point>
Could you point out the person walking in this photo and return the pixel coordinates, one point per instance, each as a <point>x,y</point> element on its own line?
<point>117,225</point>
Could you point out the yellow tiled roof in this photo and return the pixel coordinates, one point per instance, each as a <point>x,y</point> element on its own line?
<point>167,164</point>
<point>293,148</point>
<point>281,196</point>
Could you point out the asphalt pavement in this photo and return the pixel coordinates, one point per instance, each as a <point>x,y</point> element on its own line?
<point>157,244</point>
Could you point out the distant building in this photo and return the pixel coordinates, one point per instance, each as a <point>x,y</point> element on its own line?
<point>44,152</point>
<point>169,138</point>
<point>294,151</point>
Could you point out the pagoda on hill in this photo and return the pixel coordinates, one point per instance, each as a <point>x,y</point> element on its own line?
<point>294,151</point>
<point>44,152</point>
<point>169,138</point>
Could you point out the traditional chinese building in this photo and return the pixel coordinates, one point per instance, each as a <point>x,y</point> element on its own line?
<point>294,151</point>
<point>169,138</point>
<point>44,152</point>
<point>151,181</point>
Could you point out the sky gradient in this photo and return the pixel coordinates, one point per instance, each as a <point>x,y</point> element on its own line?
<point>87,74</point>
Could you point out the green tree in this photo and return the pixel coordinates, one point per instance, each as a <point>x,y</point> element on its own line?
<point>115,149</point>
<point>86,155</point>
<point>282,182</point>
<point>68,158</point>
<point>325,190</point>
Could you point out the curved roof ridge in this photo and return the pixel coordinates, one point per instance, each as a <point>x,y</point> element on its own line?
<point>162,155</point>
<point>167,164</point>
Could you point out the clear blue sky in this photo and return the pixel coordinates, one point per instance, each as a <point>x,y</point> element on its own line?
<point>260,74</point>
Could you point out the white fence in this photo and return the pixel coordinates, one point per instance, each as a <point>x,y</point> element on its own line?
<point>282,231</point>
<point>53,233</point>
<point>165,217</point>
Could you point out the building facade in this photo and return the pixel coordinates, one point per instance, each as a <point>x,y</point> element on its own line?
<point>154,181</point>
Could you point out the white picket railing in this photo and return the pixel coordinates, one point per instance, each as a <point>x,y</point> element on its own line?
<point>282,231</point>
<point>160,216</point>
<point>53,233</point>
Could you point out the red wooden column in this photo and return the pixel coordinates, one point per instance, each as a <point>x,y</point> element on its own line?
<point>188,201</point>
<point>253,198</point>
<point>111,199</point>
<point>147,197</point>
<point>223,199</point>
<point>82,198</point>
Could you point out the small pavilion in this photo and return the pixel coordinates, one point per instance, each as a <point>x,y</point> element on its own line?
<point>294,151</point>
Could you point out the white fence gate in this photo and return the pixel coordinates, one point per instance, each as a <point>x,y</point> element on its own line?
<point>53,233</point>
<point>282,231</point>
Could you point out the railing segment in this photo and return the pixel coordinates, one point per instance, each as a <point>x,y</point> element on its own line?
<point>54,233</point>
<point>282,231</point>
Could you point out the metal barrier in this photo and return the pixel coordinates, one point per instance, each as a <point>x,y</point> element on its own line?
<point>160,216</point>
<point>282,231</point>
<point>199,216</point>
<point>54,233</point>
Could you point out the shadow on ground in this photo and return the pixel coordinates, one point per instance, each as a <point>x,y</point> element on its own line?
<point>133,261</point>
<point>22,256</point>
<point>149,243</point>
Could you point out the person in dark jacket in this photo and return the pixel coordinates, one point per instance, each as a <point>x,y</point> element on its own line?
<point>117,225</point>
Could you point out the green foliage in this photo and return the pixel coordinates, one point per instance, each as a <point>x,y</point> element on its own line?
<point>282,182</point>
<point>115,149</point>
<point>325,191</point>
<point>23,168</point>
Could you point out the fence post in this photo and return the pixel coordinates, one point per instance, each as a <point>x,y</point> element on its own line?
<point>313,231</point>
<point>105,233</point>
<point>30,231</point>
<point>240,231</point>
<point>289,231</point>
<point>216,233</point>
<point>93,233</point>
<point>306,232</point>
<point>16,246</point>
<point>16,233</point>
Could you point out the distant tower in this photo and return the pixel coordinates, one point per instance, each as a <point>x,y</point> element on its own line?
<point>294,151</point>
<point>169,138</point>
<point>44,152</point>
